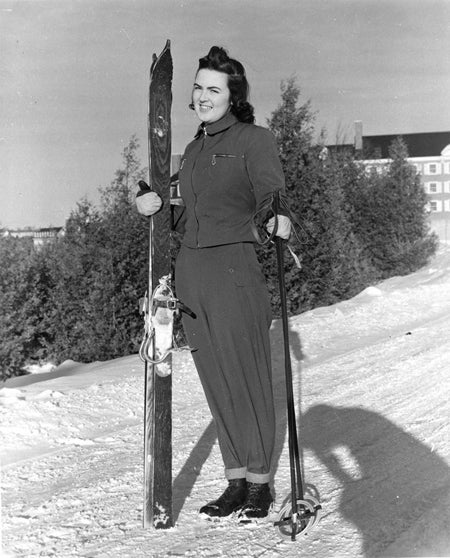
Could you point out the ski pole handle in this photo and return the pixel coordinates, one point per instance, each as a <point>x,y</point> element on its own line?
<point>143,188</point>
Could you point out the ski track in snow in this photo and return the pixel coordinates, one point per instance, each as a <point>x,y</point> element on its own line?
<point>371,377</point>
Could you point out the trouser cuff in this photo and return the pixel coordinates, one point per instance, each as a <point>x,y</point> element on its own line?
<point>258,478</point>
<point>238,473</point>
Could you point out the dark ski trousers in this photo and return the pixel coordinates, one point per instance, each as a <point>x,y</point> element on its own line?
<point>229,337</point>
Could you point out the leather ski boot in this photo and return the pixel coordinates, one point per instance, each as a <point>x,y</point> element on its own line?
<point>232,499</point>
<point>257,504</point>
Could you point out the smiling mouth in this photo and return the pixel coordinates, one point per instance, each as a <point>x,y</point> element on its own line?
<point>204,108</point>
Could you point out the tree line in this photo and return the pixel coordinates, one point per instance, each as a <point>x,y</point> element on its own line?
<point>78,297</point>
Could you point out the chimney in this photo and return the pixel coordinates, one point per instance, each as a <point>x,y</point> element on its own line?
<point>358,136</point>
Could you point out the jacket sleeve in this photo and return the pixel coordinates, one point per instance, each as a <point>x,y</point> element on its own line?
<point>264,169</point>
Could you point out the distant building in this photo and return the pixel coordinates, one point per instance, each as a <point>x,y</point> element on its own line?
<point>40,236</point>
<point>429,153</point>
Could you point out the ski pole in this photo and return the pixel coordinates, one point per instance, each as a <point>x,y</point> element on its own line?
<point>308,510</point>
<point>294,461</point>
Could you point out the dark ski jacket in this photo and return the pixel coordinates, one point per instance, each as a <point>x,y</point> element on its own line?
<point>228,173</point>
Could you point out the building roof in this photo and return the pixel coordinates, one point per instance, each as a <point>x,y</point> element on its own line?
<point>429,144</point>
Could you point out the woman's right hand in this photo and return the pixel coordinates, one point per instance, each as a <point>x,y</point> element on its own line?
<point>148,203</point>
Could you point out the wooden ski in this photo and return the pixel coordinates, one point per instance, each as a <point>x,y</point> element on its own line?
<point>158,388</point>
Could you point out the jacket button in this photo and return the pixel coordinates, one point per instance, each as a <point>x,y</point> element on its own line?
<point>231,270</point>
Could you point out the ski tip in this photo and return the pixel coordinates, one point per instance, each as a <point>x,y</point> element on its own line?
<point>166,47</point>
<point>155,57</point>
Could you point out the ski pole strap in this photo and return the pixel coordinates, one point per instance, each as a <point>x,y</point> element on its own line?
<point>269,206</point>
<point>278,207</point>
<point>173,304</point>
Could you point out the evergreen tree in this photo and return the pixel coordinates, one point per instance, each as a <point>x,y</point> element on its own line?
<point>293,126</point>
<point>74,261</point>
<point>120,193</point>
<point>337,266</point>
<point>333,266</point>
<point>413,241</point>
<point>126,252</point>
<point>391,219</point>
<point>24,301</point>
<point>101,270</point>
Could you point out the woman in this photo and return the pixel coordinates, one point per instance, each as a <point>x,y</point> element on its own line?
<point>228,174</point>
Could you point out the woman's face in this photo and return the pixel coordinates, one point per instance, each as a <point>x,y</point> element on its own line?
<point>210,95</point>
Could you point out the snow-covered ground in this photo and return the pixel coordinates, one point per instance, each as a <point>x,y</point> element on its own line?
<point>372,381</point>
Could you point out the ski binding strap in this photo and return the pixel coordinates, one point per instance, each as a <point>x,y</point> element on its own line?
<point>158,342</point>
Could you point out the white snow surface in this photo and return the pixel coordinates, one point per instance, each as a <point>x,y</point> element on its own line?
<point>372,386</point>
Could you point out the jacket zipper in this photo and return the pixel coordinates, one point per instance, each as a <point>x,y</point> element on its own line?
<point>192,185</point>
<point>224,155</point>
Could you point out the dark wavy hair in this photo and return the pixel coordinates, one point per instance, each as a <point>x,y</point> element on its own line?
<point>218,59</point>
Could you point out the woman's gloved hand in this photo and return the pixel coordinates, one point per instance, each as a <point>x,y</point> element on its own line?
<point>284,226</point>
<point>148,203</point>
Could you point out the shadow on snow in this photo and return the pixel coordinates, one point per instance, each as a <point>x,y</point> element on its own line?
<point>388,479</point>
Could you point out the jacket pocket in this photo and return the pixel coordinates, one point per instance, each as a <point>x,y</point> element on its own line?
<point>221,156</point>
<point>225,165</point>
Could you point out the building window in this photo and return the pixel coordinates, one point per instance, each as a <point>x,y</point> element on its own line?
<point>432,168</point>
<point>433,187</point>
<point>435,206</point>
<point>447,205</point>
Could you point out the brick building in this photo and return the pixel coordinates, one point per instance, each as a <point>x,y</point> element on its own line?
<point>40,236</point>
<point>430,154</point>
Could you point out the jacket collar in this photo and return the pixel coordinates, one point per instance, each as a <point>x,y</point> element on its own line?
<point>219,126</point>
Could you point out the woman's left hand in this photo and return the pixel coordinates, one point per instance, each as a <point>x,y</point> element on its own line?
<point>283,228</point>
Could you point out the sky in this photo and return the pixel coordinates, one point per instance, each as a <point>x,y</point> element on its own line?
<point>74,79</point>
